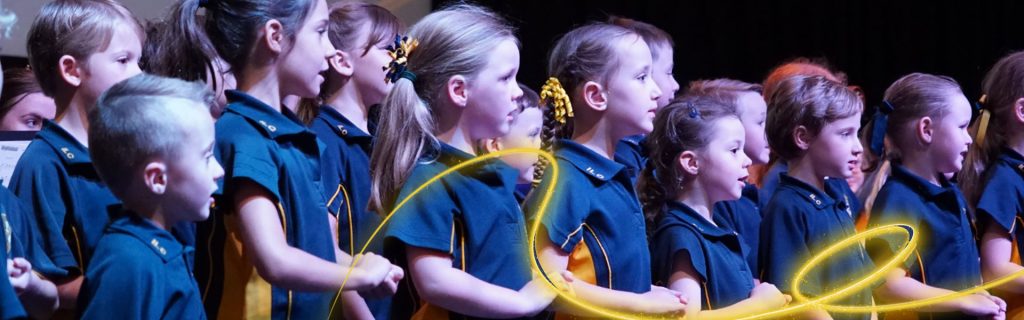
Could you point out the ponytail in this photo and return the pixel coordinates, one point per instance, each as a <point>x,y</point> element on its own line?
<point>404,131</point>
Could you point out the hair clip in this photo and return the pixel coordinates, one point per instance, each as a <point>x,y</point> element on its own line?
<point>553,91</point>
<point>399,52</point>
<point>694,113</point>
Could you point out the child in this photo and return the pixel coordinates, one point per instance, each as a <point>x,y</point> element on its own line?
<point>270,249</point>
<point>812,125</point>
<point>462,238</point>
<point>76,49</point>
<point>524,132</point>
<point>741,215</point>
<point>152,144</point>
<point>992,179</point>
<point>594,227</point>
<point>925,117</point>
<point>23,106</point>
<point>697,160</point>
<point>354,83</point>
<point>630,151</point>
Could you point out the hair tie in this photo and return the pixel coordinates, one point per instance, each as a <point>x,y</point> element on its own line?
<point>204,3</point>
<point>881,122</point>
<point>399,52</point>
<point>694,113</point>
<point>553,91</point>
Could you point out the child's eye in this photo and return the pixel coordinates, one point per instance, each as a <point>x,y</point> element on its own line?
<point>642,77</point>
<point>122,60</point>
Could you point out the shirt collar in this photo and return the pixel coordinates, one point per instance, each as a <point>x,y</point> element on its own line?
<point>160,241</point>
<point>71,151</point>
<point>341,125</point>
<point>1013,159</point>
<point>687,214</point>
<point>919,184</point>
<point>586,160</point>
<point>273,124</point>
<point>819,198</point>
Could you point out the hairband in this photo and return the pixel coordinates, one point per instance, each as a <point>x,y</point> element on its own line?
<point>399,66</point>
<point>553,91</point>
<point>876,142</point>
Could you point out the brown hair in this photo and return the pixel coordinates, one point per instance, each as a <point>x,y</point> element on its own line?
<point>685,124</point>
<point>344,23</point>
<point>584,54</point>
<point>727,91</point>
<point>1003,86</point>
<point>78,28</point>
<point>18,84</point>
<point>453,41</point>
<point>809,101</point>
<point>798,66</point>
<point>176,49</point>
<point>654,36</point>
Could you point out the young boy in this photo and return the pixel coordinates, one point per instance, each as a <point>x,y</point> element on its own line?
<point>151,140</point>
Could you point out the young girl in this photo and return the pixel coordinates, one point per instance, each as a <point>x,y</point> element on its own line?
<point>269,250</point>
<point>697,160</point>
<point>631,151</point>
<point>925,117</point>
<point>812,125</point>
<point>463,238</point>
<point>594,227</point>
<point>23,106</point>
<point>993,180</point>
<point>360,33</point>
<point>77,49</point>
<point>524,132</point>
<point>741,215</point>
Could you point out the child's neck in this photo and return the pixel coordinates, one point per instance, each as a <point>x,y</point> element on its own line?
<point>262,84</point>
<point>75,119</point>
<point>803,169</point>
<point>451,131</point>
<point>596,137</point>
<point>920,164</point>
<point>349,102</point>
<point>1016,143</point>
<point>153,213</point>
<point>694,196</point>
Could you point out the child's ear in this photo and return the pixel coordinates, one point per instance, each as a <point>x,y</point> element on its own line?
<point>594,95</point>
<point>802,137</point>
<point>341,63</point>
<point>70,70</point>
<point>457,91</point>
<point>493,145</point>
<point>924,129</point>
<point>689,162</point>
<point>1018,109</point>
<point>273,35</point>
<point>155,175</point>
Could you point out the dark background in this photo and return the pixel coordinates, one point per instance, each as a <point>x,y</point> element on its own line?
<point>873,42</point>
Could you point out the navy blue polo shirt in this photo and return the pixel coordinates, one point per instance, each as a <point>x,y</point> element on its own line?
<point>800,220</point>
<point>716,253</point>
<point>10,306</point>
<point>595,217</point>
<point>56,179</point>
<point>470,214</point>
<point>275,151</point>
<point>631,152</point>
<point>140,271</point>
<point>345,172</point>
<point>1001,199</point>
<point>770,182</point>
<point>948,250</point>
<point>743,216</point>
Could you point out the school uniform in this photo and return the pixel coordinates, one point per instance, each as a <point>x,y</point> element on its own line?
<point>140,271</point>
<point>799,222</point>
<point>10,306</point>
<point>346,179</point>
<point>470,214</point>
<point>716,252</point>
<point>277,153</point>
<point>1001,199</point>
<point>947,255</point>
<point>56,179</point>
<point>743,216</point>
<point>594,217</point>
<point>632,153</point>
<point>770,182</point>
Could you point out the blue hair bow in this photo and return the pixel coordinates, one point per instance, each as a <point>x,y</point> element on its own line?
<point>881,122</point>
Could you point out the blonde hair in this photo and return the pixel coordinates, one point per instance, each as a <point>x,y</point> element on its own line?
<point>454,41</point>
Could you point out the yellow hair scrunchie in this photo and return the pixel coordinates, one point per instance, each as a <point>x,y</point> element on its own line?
<point>553,91</point>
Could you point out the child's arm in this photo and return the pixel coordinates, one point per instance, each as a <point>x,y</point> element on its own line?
<point>440,284</point>
<point>288,267</point>
<point>898,287</point>
<point>996,249</point>
<point>656,301</point>
<point>67,292</point>
<point>763,298</point>
<point>354,307</point>
<point>38,296</point>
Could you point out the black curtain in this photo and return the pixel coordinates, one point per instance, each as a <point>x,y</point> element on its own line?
<point>873,42</point>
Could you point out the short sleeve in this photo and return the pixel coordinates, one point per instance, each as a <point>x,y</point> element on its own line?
<point>249,159</point>
<point>122,285</point>
<point>679,240</point>
<point>1000,198</point>
<point>890,208</point>
<point>567,210</point>
<point>427,220</point>
<point>38,185</point>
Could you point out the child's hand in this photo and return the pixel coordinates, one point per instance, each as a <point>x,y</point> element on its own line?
<point>769,296</point>
<point>19,271</point>
<point>999,302</point>
<point>661,300</point>
<point>983,305</point>
<point>376,268</point>
<point>390,283</point>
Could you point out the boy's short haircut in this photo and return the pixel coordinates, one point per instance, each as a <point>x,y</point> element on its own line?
<point>809,101</point>
<point>140,119</point>
<point>78,28</point>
